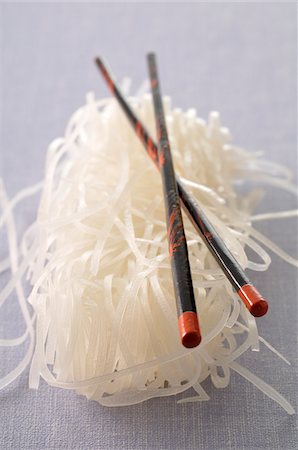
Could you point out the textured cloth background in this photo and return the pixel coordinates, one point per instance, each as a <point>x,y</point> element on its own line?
<point>237,58</point>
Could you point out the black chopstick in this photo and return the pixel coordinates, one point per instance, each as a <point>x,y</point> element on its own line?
<point>185,300</point>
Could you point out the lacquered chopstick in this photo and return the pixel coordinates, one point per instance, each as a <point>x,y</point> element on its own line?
<point>185,300</point>
<point>249,295</point>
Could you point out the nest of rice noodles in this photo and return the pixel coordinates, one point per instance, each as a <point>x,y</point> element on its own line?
<point>102,319</point>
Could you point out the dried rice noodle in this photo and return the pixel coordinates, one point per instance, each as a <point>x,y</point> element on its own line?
<point>103,319</point>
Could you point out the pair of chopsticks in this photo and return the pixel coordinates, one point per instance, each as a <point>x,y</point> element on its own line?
<point>173,189</point>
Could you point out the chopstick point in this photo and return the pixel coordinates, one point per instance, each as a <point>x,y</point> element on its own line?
<point>253,300</point>
<point>189,329</point>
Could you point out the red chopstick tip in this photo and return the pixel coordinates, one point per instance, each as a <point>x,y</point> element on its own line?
<point>259,309</point>
<point>253,300</point>
<point>189,329</point>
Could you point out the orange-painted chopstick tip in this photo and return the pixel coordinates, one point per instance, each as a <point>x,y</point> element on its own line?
<point>189,329</point>
<point>253,300</point>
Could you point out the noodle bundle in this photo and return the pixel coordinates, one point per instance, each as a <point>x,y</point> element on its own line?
<point>102,319</point>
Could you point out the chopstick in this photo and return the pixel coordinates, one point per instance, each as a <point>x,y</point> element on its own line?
<point>249,295</point>
<point>185,300</point>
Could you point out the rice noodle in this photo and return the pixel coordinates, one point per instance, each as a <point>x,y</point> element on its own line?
<point>104,321</point>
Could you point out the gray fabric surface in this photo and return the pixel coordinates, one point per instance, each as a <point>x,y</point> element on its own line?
<point>237,58</point>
